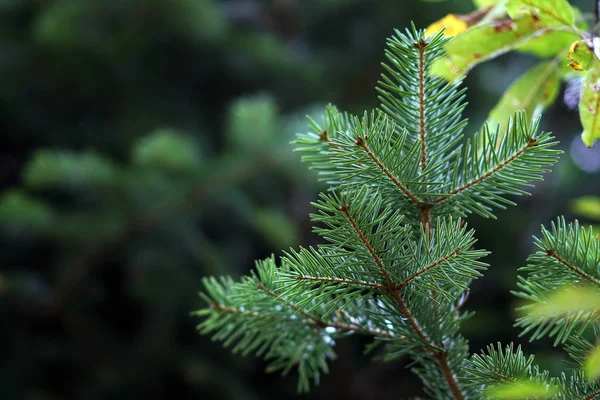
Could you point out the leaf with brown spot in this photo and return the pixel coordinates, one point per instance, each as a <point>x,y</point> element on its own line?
<point>589,105</point>
<point>481,43</point>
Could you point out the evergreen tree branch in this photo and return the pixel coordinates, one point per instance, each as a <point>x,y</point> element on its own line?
<point>344,209</point>
<point>440,356</point>
<point>499,365</point>
<point>449,375</point>
<point>494,165</point>
<point>568,256</point>
<point>360,141</point>
<point>335,281</point>
<point>319,145</point>
<point>487,174</point>
<point>324,137</point>
<point>502,377</point>
<point>575,269</point>
<point>431,266</point>
<point>319,322</point>
<point>309,319</point>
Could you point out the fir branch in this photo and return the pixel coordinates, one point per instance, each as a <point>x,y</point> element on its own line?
<point>576,270</point>
<point>568,255</point>
<point>431,266</point>
<point>439,355</point>
<point>318,146</point>
<point>494,165</point>
<point>336,281</point>
<point>449,375</point>
<point>498,365</point>
<point>427,107</point>
<point>344,209</point>
<point>322,323</point>
<point>502,377</point>
<point>495,169</point>
<point>360,142</point>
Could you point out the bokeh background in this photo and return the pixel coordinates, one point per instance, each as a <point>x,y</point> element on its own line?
<point>145,144</point>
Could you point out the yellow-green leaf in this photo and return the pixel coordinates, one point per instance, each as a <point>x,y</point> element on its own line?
<point>581,54</point>
<point>549,44</point>
<point>591,365</point>
<point>481,43</point>
<point>587,206</point>
<point>589,105</point>
<point>581,299</point>
<point>520,391</point>
<point>548,13</point>
<point>532,92</point>
<point>486,3</point>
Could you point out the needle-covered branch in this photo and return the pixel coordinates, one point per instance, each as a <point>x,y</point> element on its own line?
<point>568,257</point>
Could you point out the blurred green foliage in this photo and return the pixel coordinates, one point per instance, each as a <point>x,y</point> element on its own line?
<point>145,145</point>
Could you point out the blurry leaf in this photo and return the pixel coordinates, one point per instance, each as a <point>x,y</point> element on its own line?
<point>482,43</point>
<point>453,24</point>
<point>50,168</point>
<point>549,44</point>
<point>253,123</point>
<point>89,227</point>
<point>520,391</point>
<point>587,206</point>
<point>591,365</point>
<point>204,18</point>
<point>59,23</point>
<point>582,299</point>
<point>589,105</point>
<point>532,92</point>
<point>23,211</point>
<point>168,149</point>
<point>582,55</point>
<point>549,13</point>
<point>486,3</point>
<point>276,227</point>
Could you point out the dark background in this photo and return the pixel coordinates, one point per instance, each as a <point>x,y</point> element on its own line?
<point>144,145</point>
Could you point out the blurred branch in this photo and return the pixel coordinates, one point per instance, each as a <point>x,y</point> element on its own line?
<point>82,267</point>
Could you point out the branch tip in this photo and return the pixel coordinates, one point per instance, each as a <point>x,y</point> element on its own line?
<point>323,136</point>
<point>421,44</point>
